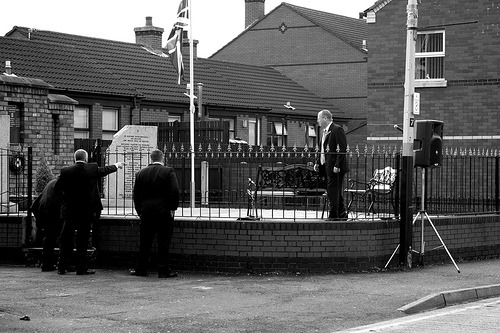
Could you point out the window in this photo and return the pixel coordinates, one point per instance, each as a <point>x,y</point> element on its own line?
<point>173,118</point>
<point>253,132</point>
<point>81,116</point>
<point>311,136</point>
<point>109,123</point>
<point>429,56</point>
<point>232,132</point>
<point>276,133</point>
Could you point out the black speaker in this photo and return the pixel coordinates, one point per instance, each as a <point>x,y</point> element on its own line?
<point>428,143</point>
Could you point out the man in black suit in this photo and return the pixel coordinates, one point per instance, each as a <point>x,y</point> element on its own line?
<point>47,211</point>
<point>81,203</point>
<point>156,197</point>
<point>332,162</point>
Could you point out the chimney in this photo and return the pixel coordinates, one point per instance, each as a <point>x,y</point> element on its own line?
<point>149,35</point>
<point>8,68</point>
<point>254,10</point>
<point>185,45</point>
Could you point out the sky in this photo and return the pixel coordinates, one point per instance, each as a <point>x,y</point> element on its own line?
<point>215,22</point>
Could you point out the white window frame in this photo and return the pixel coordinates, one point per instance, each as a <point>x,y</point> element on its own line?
<point>437,82</point>
<point>311,135</point>
<point>108,133</point>
<point>280,129</point>
<point>254,132</point>
<point>279,132</point>
<point>81,132</point>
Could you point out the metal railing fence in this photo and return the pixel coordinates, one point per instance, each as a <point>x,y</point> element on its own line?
<point>466,182</point>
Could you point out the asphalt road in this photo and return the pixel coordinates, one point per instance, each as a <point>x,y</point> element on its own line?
<point>113,301</point>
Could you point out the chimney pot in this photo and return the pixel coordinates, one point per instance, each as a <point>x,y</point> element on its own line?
<point>149,21</point>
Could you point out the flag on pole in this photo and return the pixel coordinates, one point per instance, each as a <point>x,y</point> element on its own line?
<point>174,42</point>
<point>174,46</point>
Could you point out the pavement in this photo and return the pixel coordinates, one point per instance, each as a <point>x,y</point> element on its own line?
<point>433,298</point>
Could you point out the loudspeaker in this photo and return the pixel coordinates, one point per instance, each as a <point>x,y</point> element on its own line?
<point>428,143</point>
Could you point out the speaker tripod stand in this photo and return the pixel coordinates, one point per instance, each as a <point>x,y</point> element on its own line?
<point>423,215</point>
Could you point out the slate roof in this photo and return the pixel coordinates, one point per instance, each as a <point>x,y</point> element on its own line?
<point>350,30</point>
<point>376,6</point>
<point>62,66</point>
<point>99,66</point>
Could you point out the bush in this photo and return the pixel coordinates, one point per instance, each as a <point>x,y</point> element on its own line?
<point>43,175</point>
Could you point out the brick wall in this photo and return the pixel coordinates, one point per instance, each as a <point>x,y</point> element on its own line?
<point>96,121</point>
<point>312,57</point>
<point>471,70</point>
<point>39,109</point>
<point>300,246</point>
<point>310,246</point>
<point>153,115</point>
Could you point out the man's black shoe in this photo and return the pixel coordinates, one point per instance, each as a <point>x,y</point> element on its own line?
<point>167,275</point>
<point>330,219</point>
<point>87,272</point>
<point>61,271</point>
<point>135,272</point>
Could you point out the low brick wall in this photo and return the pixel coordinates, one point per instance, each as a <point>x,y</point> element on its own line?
<point>290,246</point>
<point>302,246</point>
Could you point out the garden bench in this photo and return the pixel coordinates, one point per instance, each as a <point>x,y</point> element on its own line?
<point>277,183</point>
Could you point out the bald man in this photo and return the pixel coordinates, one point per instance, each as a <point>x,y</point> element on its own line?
<point>332,163</point>
<point>80,204</point>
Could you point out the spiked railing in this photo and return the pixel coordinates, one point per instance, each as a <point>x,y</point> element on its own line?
<point>466,182</point>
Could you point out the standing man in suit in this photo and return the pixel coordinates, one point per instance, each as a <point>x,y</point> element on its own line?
<point>332,163</point>
<point>156,197</point>
<point>80,205</point>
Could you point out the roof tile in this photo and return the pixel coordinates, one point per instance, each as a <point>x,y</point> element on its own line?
<point>86,64</point>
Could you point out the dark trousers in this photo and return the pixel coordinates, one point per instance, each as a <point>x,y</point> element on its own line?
<point>51,232</point>
<point>80,224</point>
<point>161,225</point>
<point>334,182</point>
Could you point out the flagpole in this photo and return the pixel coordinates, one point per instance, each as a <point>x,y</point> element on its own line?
<point>191,103</point>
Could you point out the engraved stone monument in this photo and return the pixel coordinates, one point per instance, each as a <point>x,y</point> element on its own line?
<point>131,145</point>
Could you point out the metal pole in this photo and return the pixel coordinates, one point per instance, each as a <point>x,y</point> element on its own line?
<point>497,184</point>
<point>422,211</point>
<point>406,225</point>
<point>29,239</point>
<point>201,115</point>
<point>191,104</point>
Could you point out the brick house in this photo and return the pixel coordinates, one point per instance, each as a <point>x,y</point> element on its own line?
<point>457,69</point>
<point>324,52</point>
<point>113,84</point>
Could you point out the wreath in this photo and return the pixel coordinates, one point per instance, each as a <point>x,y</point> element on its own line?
<point>17,163</point>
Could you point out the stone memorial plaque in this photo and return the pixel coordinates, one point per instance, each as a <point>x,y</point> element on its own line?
<point>131,145</point>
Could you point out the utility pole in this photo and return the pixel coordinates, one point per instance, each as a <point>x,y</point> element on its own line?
<point>406,224</point>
